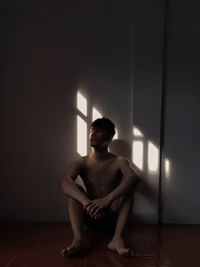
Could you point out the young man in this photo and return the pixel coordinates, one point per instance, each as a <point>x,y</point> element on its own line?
<point>109,181</point>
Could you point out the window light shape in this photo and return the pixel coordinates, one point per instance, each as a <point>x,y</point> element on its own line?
<point>137,132</point>
<point>116,136</point>
<point>82,103</point>
<point>137,154</point>
<point>153,155</point>
<point>167,167</point>
<point>81,136</point>
<point>95,114</point>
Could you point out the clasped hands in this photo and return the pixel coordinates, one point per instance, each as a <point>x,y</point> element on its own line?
<point>95,207</point>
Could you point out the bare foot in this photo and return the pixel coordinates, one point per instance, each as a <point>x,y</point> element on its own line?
<point>117,244</point>
<point>76,247</point>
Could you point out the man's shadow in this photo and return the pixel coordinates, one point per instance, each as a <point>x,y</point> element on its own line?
<point>123,148</point>
<point>120,147</point>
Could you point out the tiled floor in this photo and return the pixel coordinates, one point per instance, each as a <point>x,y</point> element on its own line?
<point>39,245</point>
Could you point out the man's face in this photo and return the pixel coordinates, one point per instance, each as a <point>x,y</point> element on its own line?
<point>97,137</point>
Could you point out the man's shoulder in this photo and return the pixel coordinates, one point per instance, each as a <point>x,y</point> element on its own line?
<point>126,163</point>
<point>122,159</point>
<point>79,161</point>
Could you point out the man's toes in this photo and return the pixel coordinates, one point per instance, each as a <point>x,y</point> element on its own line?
<point>68,251</point>
<point>63,251</point>
<point>111,245</point>
<point>132,253</point>
<point>129,253</point>
<point>123,251</point>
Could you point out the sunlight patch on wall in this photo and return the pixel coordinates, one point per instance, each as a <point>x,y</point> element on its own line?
<point>83,122</point>
<point>116,136</point>
<point>96,114</point>
<point>81,136</point>
<point>82,103</point>
<point>137,154</point>
<point>137,132</point>
<point>167,167</point>
<point>153,155</point>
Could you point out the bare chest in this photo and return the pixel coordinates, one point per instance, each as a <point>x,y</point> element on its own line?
<point>101,179</point>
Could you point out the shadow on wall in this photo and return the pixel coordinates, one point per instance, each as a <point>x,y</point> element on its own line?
<point>143,155</point>
<point>121,147</point>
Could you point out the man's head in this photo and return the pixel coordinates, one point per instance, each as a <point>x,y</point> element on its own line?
<point>101,132</point>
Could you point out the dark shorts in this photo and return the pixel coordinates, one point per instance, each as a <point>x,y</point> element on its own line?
<point>108,222</point>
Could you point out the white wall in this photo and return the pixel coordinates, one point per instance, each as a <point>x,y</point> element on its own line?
<point>180,189</point>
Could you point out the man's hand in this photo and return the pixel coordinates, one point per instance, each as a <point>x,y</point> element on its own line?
<point>93,207</point>
<point>99,215</point>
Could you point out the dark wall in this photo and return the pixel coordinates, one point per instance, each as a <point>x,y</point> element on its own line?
<point>50,50</point>
<point>112,51</point>
<point>147,89</point>
<point>40,73</point>
<point>180,190</point>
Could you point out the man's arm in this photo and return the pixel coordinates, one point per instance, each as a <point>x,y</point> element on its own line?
<point>129,180</point>
<point>68,185</point>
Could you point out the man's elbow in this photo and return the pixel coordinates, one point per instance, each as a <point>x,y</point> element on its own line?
<point>62,183</point>
<point>136,179</point>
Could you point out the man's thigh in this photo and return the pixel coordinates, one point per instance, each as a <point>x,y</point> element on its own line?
<point>115,205</point>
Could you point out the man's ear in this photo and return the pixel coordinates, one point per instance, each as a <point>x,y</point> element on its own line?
<point>108,139</point>
<point>106,143</point>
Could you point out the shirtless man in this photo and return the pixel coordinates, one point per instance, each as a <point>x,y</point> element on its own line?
<point>109,181</point>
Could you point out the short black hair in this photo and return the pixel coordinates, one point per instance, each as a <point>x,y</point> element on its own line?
<point>105,124</point>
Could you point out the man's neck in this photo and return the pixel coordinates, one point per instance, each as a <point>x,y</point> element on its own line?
<point>99,154</point>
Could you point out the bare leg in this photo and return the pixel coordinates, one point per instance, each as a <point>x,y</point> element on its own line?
<point>117,242</point>
<point>75,213</point>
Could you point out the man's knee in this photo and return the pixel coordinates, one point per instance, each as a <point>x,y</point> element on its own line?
<point>81,188</point>
<point>116,204</point>
<point>71,200</point>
